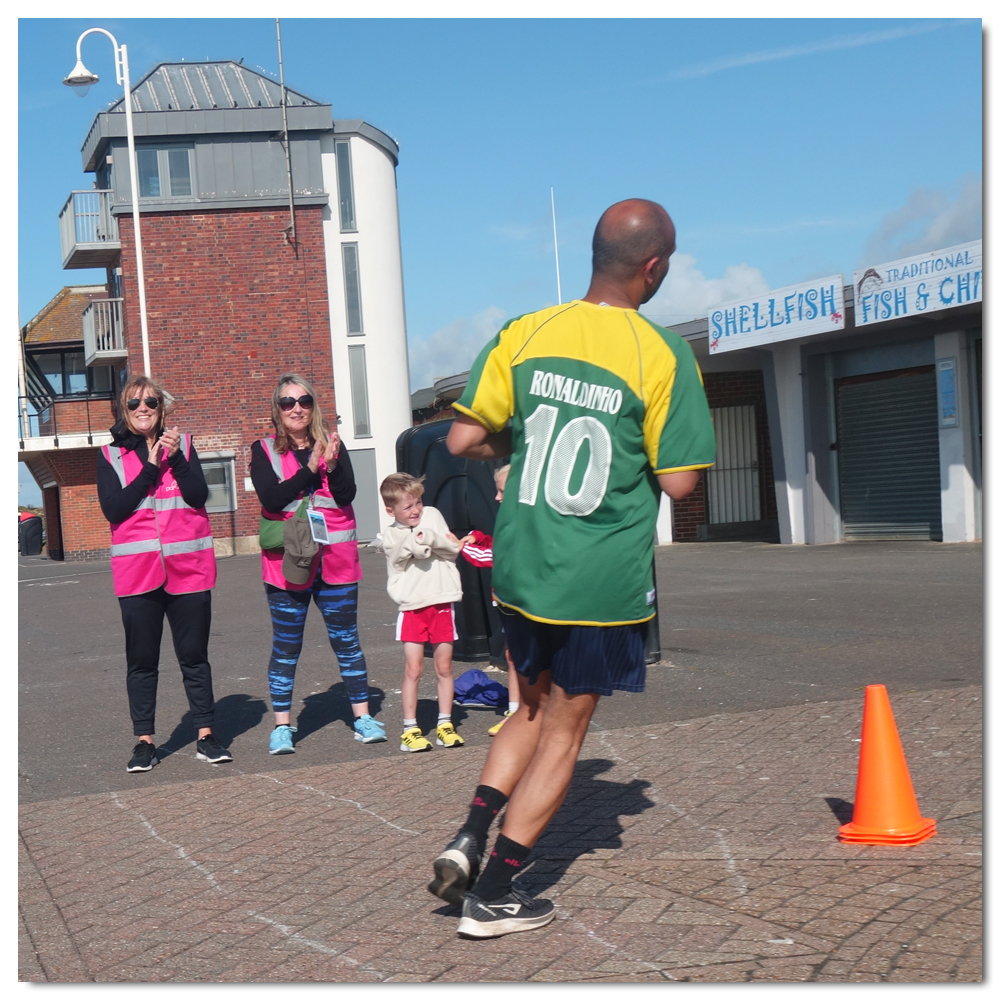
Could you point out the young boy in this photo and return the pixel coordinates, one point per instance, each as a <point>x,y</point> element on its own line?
<point>478,550</point>
<point>424,582</point>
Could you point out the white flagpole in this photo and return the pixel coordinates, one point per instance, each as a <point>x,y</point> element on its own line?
<point>555,240</point>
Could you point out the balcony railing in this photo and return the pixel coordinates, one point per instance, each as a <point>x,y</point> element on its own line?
<point>67,422</point>
<point>103,333</point>
<point>88,230</point>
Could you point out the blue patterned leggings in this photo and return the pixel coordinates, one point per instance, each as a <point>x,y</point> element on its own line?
<point>338,604</point>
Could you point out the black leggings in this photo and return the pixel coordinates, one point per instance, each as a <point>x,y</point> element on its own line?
<point>190,617</point>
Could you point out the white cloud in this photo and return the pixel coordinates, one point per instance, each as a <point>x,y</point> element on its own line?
<point>834,44</point>
<point>453,348</point>
<point>687,294</point>
<point>930,220</point>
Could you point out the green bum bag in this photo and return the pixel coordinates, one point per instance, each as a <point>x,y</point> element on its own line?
<point>272,533</point>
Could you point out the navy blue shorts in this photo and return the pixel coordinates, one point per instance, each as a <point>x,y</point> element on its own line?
<point>583,659</point>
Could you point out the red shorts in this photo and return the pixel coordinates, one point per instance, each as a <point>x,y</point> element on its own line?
<point>435,623</point>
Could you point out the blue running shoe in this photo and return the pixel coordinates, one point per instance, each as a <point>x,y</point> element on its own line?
<point>369,730</point>
<point>281,739</point>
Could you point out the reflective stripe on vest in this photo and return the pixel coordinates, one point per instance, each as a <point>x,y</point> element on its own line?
<point>275,459</point>
<point>114,455</point>
<point>132,548</point>
<point>327,502</point>
<point>168,503</point>
<point>343,536</point>
<point>192,545</point>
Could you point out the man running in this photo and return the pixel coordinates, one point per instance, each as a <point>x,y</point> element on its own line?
<point>599,409</point>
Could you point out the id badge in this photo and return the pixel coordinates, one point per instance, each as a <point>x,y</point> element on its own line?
<point>317,527</point>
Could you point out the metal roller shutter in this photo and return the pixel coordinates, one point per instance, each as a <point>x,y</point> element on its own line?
<point>887,442</point>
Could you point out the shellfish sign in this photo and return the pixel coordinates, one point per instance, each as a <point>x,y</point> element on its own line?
<point>926,283</point>
<point>801,310</point>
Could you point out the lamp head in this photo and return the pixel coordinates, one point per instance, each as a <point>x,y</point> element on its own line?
<point>81,79</point>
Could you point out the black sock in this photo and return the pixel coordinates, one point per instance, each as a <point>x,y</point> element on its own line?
<point>505,862</point>
<point>486,803</point>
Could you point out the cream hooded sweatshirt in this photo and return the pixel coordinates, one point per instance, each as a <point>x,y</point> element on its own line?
<point>421,562</point>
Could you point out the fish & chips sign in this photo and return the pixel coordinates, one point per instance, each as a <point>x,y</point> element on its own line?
<point>922,284</point>
<point>782,314</point>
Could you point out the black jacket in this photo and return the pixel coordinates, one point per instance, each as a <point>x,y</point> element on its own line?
<point>118,502</point>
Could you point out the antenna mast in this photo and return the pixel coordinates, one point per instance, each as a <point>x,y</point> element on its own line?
<point>290,231</point>
<point>555,240</point>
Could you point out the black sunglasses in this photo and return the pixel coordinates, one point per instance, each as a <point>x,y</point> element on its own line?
<point>288,402</point>
<point>151,401</point>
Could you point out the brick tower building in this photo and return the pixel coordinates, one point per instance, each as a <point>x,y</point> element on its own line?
<point>240,286</point>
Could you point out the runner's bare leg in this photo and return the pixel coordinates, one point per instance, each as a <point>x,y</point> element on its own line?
<point>537,782</point>
<point>512,748</point>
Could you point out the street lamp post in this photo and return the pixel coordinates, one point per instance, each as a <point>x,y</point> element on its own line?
<point>81,80</point>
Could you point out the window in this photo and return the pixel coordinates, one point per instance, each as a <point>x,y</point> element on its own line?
<point>345,185</point>
<point>164,173</point>
<point>219,476</point>
<point>66,374</point>
<point>359,390</point>
<point>352,289</point>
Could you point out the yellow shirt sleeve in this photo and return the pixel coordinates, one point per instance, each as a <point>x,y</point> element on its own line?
<point>489,393</point>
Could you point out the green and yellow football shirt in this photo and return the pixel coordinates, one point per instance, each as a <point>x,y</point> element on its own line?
<point>601,401</point>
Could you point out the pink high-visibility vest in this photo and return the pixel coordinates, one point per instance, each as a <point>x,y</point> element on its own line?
<point>164,542</point>
<point>339,559</point>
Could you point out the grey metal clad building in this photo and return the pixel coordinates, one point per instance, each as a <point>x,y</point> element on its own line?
<point>220,127</point>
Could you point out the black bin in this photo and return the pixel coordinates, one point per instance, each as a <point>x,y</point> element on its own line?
<point>464,491</point>
<point>29,536</point>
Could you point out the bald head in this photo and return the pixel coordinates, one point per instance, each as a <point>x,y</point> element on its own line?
<point>628,234</point>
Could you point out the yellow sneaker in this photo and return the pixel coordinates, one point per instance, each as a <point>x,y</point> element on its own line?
<point>493,730</point>
<point>447,737</point>
<point>413,741</point>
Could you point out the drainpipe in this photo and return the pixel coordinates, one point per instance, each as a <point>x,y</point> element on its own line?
<point>22,384</point>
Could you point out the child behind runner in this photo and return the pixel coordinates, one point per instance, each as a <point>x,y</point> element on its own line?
<point>423,580</point>
<point>478,550</point>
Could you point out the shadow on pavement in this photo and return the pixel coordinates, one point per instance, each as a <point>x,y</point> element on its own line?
<point>587,819</point>
<point>843,810</point>
<point>235,714</point>
<point>332,705</point>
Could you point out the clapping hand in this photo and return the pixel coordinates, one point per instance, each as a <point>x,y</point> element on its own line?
<point>317,454</point>
<point>332,449</point>
<point>171,441</point>
<point>167,444</point>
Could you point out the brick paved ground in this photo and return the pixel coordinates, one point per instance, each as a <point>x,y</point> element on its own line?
<point>699,850</point>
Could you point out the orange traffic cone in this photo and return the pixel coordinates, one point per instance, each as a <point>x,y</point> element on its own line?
<point>885,808</point>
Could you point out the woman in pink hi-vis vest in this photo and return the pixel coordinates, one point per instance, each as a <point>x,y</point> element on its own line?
<point>153,491</point>
<point>307,460</point>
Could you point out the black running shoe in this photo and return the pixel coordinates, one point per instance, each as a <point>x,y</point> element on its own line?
<point>143,757</point>
<point>210,749</point>
<point>510,913</point>
<point>455,869</point>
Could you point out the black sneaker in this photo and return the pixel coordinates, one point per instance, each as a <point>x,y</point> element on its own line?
<point>510,913</point>
<point>143,757</point>
<point>210,749</point>
<point>455,869</point>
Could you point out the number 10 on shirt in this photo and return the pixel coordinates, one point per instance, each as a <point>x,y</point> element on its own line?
<point>538,430</point>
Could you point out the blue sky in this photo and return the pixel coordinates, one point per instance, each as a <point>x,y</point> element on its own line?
<point>783,149</point>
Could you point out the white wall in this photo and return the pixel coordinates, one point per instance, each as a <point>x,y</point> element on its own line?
<point>382,304</point>
<point>958,490</point>
<point>665,521</point>
<point>789,489</point>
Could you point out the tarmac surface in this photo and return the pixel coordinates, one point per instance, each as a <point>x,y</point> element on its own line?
<point>697,843</point>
